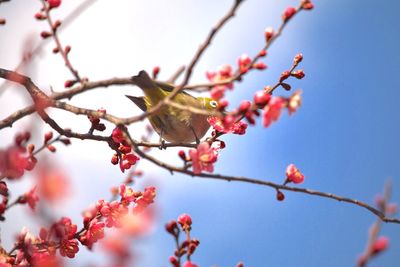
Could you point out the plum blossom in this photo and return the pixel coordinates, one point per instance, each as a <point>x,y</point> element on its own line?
<point>203,158</point>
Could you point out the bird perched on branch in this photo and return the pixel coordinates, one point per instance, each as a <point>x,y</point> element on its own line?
<point>172,123</point>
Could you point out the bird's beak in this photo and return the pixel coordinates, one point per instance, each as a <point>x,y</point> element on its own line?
<point>224,112</point>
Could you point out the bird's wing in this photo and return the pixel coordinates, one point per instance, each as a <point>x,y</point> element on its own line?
<point>165,86</point>
<point>170,87</point>
<point>139,101</point>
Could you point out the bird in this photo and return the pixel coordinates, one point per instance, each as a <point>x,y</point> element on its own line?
<point>171,123</point>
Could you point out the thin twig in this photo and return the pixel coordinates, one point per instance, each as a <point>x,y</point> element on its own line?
<point>176,75</point>
<point>58,43</point>
<point>35,51</point>
<point>239,75</point>
<point>376,227</point>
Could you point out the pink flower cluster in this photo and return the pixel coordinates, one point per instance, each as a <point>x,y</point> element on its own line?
<point>245,63</point>
<point>17,158</point>
<point>95,121</point>
<point>41,250</point>
<point>124,155</point>
<point>228,124</point>
<point>187,247</point>
<point>29,198</point>
<point>272,111</point>
<point>222,74</point>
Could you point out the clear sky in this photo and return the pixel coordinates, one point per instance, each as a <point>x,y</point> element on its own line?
<point>345,137</point>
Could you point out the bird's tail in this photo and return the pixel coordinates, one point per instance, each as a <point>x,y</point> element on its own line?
<point>152,92</point>
<point>144,81</point>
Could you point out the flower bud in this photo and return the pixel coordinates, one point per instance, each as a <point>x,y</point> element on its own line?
<point>114,159</point>
<point>54,3</point>
<point>185,221</point>
<point>244,106</point>
<point>40,16</point>
<point>262,53</point>
<point>56,24</point>
<point>30,148</point>
<point>244,60</point>
<point>299,74</point>
<point>171,226</point>
<point>51,148</point>
<point>261,98</point>
<point>182,155</point>
<point>288,14</point>
<point>280,196</point>
<point>298,58</point>
<point>156,71</point>
<point>307,5</point>
<point>69,83</point>
<point>67,49</point>
<point>284,76</point>
<point>269,33</point>
<point>45,34</point>
<point>47,137</point>
<point>260,65</point>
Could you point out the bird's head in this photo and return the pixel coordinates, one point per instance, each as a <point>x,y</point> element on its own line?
<point>208,103</point>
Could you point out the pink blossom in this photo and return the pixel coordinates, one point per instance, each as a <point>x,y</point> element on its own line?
<point>294,102</point>
<point>226,125</point>
<point>127,194</point>
<point>189,264</point>
<point>117,135</point>
<point>94,232</point>
<point>294,175</point>
<point>29,197</point>
<point>203,158</point>
<point>68,248</point>
<point>145,199</point>
<point>14,161</point>
<point>272,111</point>
<point>64,228</point>
<point>185,221</point>
<point>127,161</point>
<point>223,73</point>
<point>380,244</point>
<point>116,211</point>
<point>244,61</point>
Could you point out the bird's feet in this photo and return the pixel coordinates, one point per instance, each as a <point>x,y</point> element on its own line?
<point>195,136</point>
<point>162,144</point>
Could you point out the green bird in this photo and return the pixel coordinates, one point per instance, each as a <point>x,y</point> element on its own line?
<point>173,124</point>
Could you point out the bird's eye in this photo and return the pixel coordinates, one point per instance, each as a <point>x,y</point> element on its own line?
<point>213,104</point>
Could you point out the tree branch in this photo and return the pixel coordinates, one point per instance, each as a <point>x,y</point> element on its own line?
<point>276,186</point>
<point>42,101</point>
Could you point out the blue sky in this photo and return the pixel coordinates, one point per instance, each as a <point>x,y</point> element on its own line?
<point>344,138</point>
